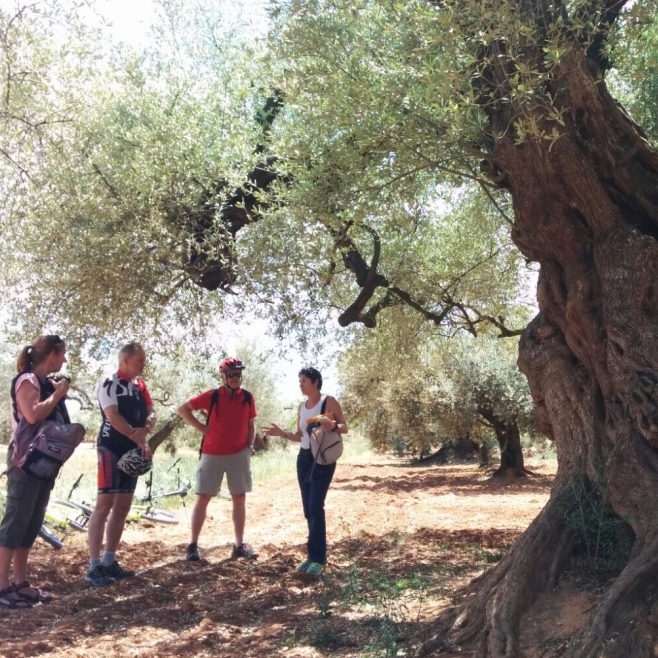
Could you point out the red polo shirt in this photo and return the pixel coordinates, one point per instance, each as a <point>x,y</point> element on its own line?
<point>229,422</point>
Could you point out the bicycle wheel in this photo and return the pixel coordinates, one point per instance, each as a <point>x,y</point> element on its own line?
<point>159,516</point>
<point>80,515</point>
<point>80,507</point>
<point>50,537</point>
<point>79,523</point>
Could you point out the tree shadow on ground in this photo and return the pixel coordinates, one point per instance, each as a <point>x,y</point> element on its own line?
<point>376,589</point>
<point>453,479</point>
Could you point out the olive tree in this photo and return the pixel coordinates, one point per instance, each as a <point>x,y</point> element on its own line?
<point>383,110</point>
<point>398,99</point>
<point>421,391</point>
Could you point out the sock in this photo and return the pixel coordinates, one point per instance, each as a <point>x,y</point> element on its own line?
<point>108,558</point>
<point>94,562</point>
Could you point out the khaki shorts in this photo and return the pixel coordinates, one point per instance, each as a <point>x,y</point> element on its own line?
<point>211,471</point>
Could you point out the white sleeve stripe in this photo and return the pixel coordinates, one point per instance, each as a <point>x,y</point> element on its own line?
<point>107,393</point>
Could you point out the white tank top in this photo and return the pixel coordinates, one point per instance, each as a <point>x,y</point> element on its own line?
<point>304,415</point>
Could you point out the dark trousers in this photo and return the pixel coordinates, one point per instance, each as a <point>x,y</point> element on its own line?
<point>27,499</point>
<point>313,494</point>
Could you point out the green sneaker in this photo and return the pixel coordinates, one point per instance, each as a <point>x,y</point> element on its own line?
<point>304,565</point>
<point>314,569</point>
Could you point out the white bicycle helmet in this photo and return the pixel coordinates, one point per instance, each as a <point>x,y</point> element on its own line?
<point>132,463</point>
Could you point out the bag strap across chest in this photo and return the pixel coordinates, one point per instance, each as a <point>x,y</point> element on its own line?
<point>46,389</point>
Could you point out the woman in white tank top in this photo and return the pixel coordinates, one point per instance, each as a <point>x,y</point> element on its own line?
<point>314,479</point>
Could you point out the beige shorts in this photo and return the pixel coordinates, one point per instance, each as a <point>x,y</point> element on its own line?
<point>211,471</point>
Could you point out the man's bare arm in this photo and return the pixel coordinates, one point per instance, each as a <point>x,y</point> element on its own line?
<point>186,412</point>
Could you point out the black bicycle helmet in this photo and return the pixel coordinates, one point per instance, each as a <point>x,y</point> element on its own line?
<point>134,464</point>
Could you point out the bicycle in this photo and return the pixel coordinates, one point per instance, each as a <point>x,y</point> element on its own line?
<point>78,514</point>
<point>57,521</point>
<point>144,504</point>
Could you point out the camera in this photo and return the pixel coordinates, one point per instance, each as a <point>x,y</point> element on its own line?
<point>59,377</point>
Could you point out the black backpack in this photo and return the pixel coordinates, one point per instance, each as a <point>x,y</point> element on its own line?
<point>214,402</point>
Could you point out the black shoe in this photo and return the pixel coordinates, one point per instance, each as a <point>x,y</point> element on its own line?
<point>98,577</point>
<point>192,553</point>
<point>243,550</point>
<point>118,572</point>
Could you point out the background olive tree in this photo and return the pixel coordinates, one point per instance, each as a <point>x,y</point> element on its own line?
<point>413,392</point>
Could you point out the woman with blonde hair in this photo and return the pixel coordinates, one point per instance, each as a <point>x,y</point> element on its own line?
<point>35,397</point>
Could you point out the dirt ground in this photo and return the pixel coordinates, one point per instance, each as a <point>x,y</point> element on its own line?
<point>402,539</point>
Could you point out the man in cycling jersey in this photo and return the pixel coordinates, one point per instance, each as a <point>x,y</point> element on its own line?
<point>128,417</point>
<point>228,440</point>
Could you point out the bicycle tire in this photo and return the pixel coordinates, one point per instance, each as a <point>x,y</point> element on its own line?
<point>81,519</point>
<point>79,523</point>
<point>160,516</point>
<point>50,538</point>
<point>87,510</point>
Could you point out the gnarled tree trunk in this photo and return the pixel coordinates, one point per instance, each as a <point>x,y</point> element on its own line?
<point>586,209</point>
<point>509,441</point>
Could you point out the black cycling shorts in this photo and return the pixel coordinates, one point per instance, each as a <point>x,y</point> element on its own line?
<point>111,479</point>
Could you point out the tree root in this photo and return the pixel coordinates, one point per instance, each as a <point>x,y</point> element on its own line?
<point>624,624</point>
<point>492,605</point>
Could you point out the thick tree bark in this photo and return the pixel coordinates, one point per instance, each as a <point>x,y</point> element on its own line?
<point>586,209</point>
<point>509,441</point>
<point>164,433</point>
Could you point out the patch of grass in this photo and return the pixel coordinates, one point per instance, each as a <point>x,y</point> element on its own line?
<point>290,639</point>
<point>390,638</point>
<point>272,464</point>
<point>599,533</point>
<point>169,472</point>
<point>325,637</point>
<point>324,605</point>
<point>488,556</point>
<point>384,584</point>
<point>395,538</point>
<point>413,582</point>
<point>381,593</point>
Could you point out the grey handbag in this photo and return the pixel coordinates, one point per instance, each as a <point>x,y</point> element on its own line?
<point>41,449</point>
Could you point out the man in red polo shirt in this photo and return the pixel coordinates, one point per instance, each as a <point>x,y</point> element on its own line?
<point>228,440</point>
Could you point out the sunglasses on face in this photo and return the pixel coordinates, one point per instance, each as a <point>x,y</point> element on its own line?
<point>233,375</point>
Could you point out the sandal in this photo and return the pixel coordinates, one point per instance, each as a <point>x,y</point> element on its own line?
<point>39,596</point>
<point>6,601</point>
